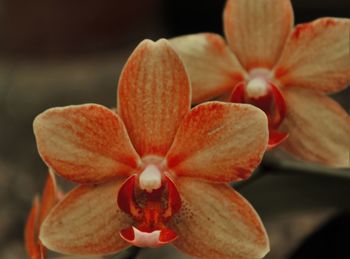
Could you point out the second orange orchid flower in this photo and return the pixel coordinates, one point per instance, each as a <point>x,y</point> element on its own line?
<point>285,72</point>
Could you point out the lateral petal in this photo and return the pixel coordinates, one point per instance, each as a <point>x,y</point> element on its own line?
<point>257,30</point>
<point>317,56</point>
<point>49,198</point>
<point>85,143</point>
<point>319,129</point>
<point>31,231</point>
<point>219,142</point>
<point>216,222</point>
<point>86,222</point>
<point>211,65</point>
<point>153,96</point>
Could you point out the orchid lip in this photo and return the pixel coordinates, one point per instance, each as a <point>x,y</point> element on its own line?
<point>152,239</point>
<point>140,238</point>
<point>150,211</point>
<point>263,94</point>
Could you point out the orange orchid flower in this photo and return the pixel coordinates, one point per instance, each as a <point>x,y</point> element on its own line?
<point>285,72</point>
<point>36,216</point>
<point>155,171</point>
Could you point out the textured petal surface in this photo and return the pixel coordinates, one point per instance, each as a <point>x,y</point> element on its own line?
<point>86,222</point>
<point>212,67</point>
<point>319,129</point>
<point>49,198</point>
<point>257,30</point>
<point>317,56</point>
<point>85,143</point>
<point>153,97</point>
<point>219,142</point>
<point>216,222</point>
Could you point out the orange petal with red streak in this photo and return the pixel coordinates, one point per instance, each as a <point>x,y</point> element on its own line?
<point>257,30</point>
<point>317,56</point>
<point>86,222</point>
<point>31,231</point>
<point>85,143</point>
<point>216,222</point>
<point>211,65</point>
<point>319,129</point>
<point>219,142</point>
<point>153,96</point>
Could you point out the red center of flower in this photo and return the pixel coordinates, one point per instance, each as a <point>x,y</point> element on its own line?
<point>151,199</point>
<point>262,93</point>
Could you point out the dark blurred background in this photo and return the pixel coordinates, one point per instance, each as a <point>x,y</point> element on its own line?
<point>56,52</point>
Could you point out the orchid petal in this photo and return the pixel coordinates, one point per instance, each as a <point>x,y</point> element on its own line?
<point>85,143</point>
<point>36,216</point>
<point>219,142</point>
<point>216,222</point>
<point>49,198</point>
<point>31,231</point>
<point>257,30</point>
<point>319,129</point>
<point>153,97</point>
<point>317,56</point>
<point>212,67</point>
<point>86,222</point>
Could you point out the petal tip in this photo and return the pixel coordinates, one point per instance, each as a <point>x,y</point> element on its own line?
<point>44,237</point>
<point>148,43</point>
